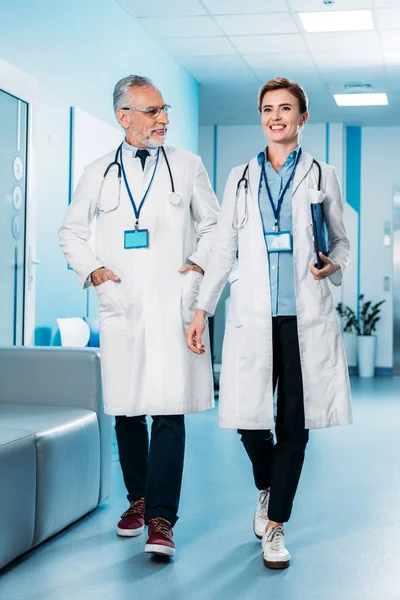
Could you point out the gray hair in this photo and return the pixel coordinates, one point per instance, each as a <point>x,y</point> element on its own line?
<point>121,95</point>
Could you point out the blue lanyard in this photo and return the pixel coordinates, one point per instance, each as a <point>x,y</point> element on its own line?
<point>277,209</point>
<point>136,210</point>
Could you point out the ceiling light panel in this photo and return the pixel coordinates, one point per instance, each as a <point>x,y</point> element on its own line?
<point>257,24</point>
<point>237,7</point>
<point>262,44</point>
<point>181,27</point>
<point>361,99</point>
<point>346,20</point>
<point>160,8</point>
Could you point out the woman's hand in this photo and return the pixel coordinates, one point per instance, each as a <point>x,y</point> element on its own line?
<point>195,332</point>
<point>328,269</point>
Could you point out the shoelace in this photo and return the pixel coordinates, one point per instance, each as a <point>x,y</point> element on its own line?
<point>161,526</point>
<point>276,537</point>
<point>264,497</point>
<point>136,508</point>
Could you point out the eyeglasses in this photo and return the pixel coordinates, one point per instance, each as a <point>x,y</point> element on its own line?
<point>151,112</point>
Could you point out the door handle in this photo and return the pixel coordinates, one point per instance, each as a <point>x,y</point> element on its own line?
<point>30,262</point>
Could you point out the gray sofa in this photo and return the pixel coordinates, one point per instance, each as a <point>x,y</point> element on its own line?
<point>55,443</point>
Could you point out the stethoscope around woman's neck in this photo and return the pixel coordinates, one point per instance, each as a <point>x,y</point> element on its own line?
<point>244,183</point>
<point>174,198</point>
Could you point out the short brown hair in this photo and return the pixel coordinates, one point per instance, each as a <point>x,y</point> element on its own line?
<point>281,83</point>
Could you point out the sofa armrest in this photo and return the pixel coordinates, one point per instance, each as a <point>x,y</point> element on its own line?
<point>55,376</point>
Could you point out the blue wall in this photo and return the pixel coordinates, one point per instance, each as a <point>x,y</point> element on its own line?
<point>77,50</point>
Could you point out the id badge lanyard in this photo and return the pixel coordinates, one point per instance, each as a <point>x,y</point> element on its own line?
<point>277,209</point>
<point>137,238</point>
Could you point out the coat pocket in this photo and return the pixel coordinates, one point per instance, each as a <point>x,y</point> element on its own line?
<point>111,314</point>
<point>234,303</point>
<point>190,294</point>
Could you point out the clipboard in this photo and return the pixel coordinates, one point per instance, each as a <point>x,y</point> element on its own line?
<point>320,232</point>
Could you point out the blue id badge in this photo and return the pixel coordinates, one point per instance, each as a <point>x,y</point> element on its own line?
<point>136,239</point>
<point>279,242</point>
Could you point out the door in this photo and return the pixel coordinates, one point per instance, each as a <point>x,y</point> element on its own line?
<point>396,283</point>
<point>13,166</point>
<point>18,98</point>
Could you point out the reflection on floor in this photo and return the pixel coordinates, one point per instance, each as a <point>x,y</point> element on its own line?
<point>344,534</point>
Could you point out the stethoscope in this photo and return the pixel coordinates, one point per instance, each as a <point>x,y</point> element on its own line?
<point>174,198</point>
<point>244,183</point>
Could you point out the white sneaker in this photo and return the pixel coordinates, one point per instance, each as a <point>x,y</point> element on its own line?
<point>276,556</point>
<point>261,515</point>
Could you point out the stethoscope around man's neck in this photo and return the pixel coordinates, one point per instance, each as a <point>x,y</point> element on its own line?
<point>174,198</point>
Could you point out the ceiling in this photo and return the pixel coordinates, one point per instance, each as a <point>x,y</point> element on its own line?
<point>233,46</point>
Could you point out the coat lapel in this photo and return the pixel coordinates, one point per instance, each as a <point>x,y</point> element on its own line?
<point>303,168</point>
<point>254,179</point>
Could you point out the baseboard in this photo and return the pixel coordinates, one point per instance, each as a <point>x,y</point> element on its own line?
<point>379,371</point>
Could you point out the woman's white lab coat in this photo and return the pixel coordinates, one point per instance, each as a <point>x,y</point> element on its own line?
<point>246,394</point>
<point>146,365</point>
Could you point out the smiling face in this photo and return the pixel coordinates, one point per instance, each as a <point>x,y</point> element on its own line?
<point>142,130</point>
<point>281,118</point>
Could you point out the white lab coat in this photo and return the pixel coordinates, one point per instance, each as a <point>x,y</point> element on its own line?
<point>246,394</point>
<point>146,365</point>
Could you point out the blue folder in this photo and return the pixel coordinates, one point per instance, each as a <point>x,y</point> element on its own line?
<point>320,232</point>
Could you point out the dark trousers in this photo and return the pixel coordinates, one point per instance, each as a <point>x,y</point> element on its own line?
<point>278,466</point>
<point>154,472</point>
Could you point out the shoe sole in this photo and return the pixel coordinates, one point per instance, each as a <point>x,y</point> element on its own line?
<point>159,549</point>
<point>130,532</point>
<point>276,565</point>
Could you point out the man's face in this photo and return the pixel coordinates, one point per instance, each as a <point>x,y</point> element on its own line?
<point>281,118</point>
<point>144,130</point>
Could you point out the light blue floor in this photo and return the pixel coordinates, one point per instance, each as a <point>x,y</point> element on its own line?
<point>344,535</point>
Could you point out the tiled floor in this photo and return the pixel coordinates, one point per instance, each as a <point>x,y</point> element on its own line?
<point>344,535</point>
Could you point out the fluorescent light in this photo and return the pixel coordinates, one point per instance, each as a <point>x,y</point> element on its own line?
<point>361,99</point>
<point>337,20</point>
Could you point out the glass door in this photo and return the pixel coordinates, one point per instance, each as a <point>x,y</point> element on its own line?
<point>13,178</point>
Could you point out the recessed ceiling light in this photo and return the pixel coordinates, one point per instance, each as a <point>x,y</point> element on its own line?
<point>361,99</point>
<point>337,20</point>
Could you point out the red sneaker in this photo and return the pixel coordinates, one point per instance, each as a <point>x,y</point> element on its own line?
<point>160,538</point>
<point>132,521</point>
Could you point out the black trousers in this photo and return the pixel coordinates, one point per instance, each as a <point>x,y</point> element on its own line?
<point>154,472</point>
<point>278,465</point>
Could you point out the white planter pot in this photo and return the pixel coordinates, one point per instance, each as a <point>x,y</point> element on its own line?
<point>366,349</point>
<point>350,348</point>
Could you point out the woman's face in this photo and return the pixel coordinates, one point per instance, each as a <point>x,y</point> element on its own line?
<point>281,118</point>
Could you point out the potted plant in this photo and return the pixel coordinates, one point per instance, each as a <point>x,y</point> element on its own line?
<point>366,340</point>
<point>349,321</point>
<point>364,326</point>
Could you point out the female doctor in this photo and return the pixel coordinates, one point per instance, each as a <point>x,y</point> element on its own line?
<point>282,329</point>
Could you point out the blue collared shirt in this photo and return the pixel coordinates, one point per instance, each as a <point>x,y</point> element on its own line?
<point>281,270</point>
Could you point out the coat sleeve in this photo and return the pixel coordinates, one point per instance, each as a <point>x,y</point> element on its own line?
<point>223,251</point>
<point>339,244</point>
<point>75,231</point>
<point>205,210</point>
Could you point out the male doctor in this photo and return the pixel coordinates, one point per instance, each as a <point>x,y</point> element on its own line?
<point>155,212</point>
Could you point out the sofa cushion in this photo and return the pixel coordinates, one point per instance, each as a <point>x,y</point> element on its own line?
<point>68,462</point>
<point>17,493</point>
